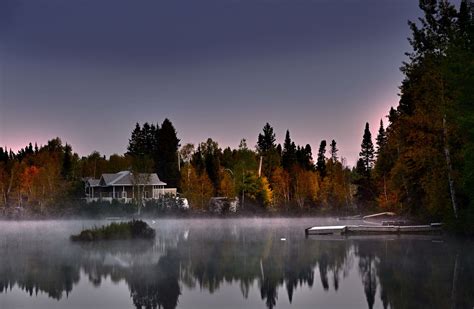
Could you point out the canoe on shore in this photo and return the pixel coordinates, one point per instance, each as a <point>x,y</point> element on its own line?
<point>356,217</point>
<point>380,215</point>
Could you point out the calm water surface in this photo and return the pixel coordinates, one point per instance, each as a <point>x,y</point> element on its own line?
<point>241,263</point>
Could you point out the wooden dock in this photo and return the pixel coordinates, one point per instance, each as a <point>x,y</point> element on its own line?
<point>433,237</point>
<point>373,229</point>
<point>327,230</point>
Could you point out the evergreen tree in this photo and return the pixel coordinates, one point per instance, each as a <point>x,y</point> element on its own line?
<point>381,139</point>
<point>228,157</point>
<point>279,150</point>
<point>267,149</point>
<point>54,146</point>
<point>197,160</point>
<point>3,155</point>
<point>384,162</point>
<point>288,156</point>
<point>309,157</point>
<point>142,151</point>
<point>321,161</point>
<point>304,156</point>
<point>156,141</point>
<point>66,170</point>
<point>367,149</point>
<point>135,143</point>
<point>211,154</point>
<point>148,136</point>
<point>266,141</point>
<point>334,151</point>
<point>167,154</point>
<point>29,150</point>
<point>366,193</point>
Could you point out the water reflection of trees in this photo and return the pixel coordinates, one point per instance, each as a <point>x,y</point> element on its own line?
<point>404,273</point>
<point>34,268</point>
<point>265,259</point>
<point>150,270</point>
<point>418,273</point>
<point>367,265</point>
<point>156,287</point>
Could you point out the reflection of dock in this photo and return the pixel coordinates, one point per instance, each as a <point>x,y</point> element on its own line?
<point>373,229</point>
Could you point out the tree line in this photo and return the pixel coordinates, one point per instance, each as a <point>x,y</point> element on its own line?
<point>270,176</point>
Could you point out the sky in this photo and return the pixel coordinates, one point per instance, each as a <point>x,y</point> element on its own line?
<point>88,70</point>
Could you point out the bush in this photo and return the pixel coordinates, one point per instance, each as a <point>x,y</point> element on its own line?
<point>125,230</point>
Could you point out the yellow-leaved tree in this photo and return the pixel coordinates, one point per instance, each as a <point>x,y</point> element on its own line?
<point>197,188</point>
<point>226,184</point>
<point>266,193</point>
<point>306,186</point>
<point>280,183</point>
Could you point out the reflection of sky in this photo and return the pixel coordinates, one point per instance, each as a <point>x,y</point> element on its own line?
<point>88,70</point>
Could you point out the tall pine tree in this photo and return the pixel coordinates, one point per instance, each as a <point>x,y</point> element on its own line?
<point>334,151</point>
<point>288,156</point>
<point>367,150</point>
<point>381,139</point>
<point>304,156</point>
<point>135,143</point>
<point>266,141</point>
<point>167,154</point>
<point>267,149</point>
<point>321,161</point>
<point>366,192</point>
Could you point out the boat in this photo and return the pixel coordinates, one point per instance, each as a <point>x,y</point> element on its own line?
<point>380,215</point>
<point>356,217</point>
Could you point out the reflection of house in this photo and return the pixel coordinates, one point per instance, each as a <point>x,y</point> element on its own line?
<point>125,186</point>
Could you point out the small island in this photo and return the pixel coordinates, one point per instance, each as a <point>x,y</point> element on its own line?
<point>135,229</point>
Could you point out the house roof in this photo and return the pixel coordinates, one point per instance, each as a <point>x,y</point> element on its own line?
<point>91,182</point>
<point>126,178</point>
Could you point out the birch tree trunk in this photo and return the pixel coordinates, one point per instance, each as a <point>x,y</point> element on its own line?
<point>449,166</point>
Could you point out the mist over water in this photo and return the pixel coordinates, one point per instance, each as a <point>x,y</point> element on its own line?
<point>231,263</point>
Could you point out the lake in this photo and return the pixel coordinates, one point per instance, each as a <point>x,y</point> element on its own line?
<point>231,263</point>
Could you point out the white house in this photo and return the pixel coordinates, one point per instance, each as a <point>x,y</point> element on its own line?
<point>124,185</point>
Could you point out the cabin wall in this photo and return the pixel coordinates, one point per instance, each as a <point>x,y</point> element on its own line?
<point>108,193</point>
